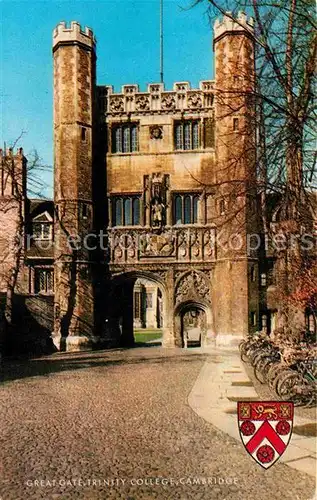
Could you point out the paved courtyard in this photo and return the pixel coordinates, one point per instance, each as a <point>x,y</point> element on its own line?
<point>117,424</point>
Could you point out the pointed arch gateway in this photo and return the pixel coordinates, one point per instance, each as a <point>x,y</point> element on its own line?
<point>127,307</point>
<point>193,318</point>
<point>194,324</point>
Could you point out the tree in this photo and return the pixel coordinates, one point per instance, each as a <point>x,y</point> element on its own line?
<point>285,48</point>
<point>16,172</point>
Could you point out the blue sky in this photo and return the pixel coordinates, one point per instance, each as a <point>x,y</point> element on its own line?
<point>127,34</point>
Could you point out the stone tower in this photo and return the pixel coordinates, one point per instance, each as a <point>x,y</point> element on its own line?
<point>74,102</point>
<point>236,273</point>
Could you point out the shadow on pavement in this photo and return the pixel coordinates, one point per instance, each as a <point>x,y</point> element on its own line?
<point>15,369</point>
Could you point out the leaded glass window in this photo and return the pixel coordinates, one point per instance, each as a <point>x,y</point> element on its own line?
<point>125,138</point>
<point>126,210</point>
<point>187,135</point>
<point>185,208</point>
<point>43,280</point>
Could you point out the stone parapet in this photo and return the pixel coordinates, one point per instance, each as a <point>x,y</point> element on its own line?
<point>227,24</point>
<point>64,34</point>
<point>156,98</point>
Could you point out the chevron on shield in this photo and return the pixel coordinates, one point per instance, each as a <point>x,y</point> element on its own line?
<point>265,429</point>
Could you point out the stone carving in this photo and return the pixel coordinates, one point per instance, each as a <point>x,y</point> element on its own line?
<point>192,286</point>
<point>157,245</point>
<point>156,132</point>
<point>195,243</point>
<point>131,245</point>
<point>182,243</point>
<point>209,244</point>
<point>155,88</point>
<point>168,102</point>
<point>142,103</point>
<point>194,101</point>
<point>116,104</point>
<point>162,273</point>
<point>209,99</point>
<point>186,245</point>
<point>117,248</point>
<point>181,87</point>
<point>130,89</point>
<point>207,85</point>
<point>177,275</point>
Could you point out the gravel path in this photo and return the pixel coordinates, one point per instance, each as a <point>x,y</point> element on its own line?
<point>117,425</point>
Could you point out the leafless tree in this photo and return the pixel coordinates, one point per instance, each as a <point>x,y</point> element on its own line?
<point>285,56</point>
<point>19,176</point>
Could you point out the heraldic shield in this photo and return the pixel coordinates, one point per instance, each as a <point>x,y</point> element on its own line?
<point>265,428</point>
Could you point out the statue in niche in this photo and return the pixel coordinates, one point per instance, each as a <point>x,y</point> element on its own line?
<point>156,201</point>
<point>158,205</point>
<point>158,210</point>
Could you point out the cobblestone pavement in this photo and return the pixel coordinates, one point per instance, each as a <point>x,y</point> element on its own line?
<point>72,421</point>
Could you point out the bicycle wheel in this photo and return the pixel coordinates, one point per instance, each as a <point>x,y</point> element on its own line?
<point>280,377</point>
<point>294,387</point>
<point>273,372</point>
<point>311,400</point>
<point>254,354</point>
<point>284,381</point>
<point>243,352</point>
<point>259,356</point>
<point>261,369</point>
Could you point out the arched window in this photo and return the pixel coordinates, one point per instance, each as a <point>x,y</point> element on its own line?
<point>187,209</point>
<point>126,140</point>
<point>187,136</point>
<point>134,138</point>
<point>117,146</point>
<point>127,212</point>
<point>118,212</point>
<point>178,210</point>
<point>195,135</point>
<point>136,211</point>
<point>195,209</point>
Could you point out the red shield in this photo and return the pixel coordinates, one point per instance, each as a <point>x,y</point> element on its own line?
<point>265,428</point>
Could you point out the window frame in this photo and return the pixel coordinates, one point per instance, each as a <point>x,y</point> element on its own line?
<point>125,137</point>
<point>184,197</point>
<point>48,225</point>
<point>184,132</point>
<point>48,289</point>
<point>119,200</point>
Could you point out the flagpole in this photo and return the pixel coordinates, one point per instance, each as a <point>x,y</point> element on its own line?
<point>161,41</point>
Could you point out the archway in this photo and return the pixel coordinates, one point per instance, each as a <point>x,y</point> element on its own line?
<point>138,309</point>
<point>148,317</point>
<point>193,324</point>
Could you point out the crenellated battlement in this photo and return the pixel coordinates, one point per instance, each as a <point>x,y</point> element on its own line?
<point>9,153</point>
<point>156,98</point>
<point>242,24</point>
<point>73,33</point>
